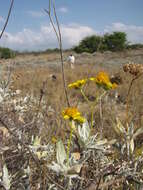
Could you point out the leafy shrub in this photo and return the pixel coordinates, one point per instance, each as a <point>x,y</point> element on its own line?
<point>116,41</point>
<point>89,44</point>
<point>113,42</point>
<point>6,53</point>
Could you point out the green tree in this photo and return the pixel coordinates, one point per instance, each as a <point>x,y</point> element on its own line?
<point>89,44</point>
<point>116,41</point>
<point>6,53</point>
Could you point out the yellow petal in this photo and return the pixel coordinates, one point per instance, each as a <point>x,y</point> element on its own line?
<point>66,117</point>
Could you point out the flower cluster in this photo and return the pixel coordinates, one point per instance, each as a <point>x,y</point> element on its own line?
<point>78,84</point>
<point>72,113</point>
<point>102,80</point>
<point>133,68</point>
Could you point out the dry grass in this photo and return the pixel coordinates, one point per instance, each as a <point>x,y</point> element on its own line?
<point>39,120</point>
<point>30,79</point>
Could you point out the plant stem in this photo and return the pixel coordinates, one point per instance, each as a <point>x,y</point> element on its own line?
<point>128,97</point>
<point>69,142</point>
<point>83,94</point>
<point>59,38</point>
<point>92,107</point>
<point>7,19</point>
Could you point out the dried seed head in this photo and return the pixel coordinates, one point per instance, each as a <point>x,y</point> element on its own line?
<point>133,68</point>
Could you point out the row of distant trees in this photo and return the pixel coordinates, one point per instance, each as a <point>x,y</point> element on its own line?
<point>117,41</point>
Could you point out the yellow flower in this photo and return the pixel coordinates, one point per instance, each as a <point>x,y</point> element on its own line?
<point>102,79</point>
<point>72,113</point>
<point>54,140</point>
<point>80,119</point>
<point>92,79</point>
<point>114,85</point>
<point>78,84</point>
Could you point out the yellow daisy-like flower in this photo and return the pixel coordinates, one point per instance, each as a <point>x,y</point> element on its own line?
<point>114,85</point>
<point>54,140</point>
<point>78,84</point>
<point>102,79</point>
<point>72,113</point>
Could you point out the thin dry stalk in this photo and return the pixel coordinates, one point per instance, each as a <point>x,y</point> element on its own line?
<point>7,19</point>
<point>59,38</point>
<point>128,96</point>
<point>101,117</point>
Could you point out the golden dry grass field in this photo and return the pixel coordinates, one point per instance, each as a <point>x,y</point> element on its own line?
<point>31,72</point>
<point>32,75</point>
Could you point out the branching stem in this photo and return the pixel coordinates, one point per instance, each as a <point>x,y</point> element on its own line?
<point>59,38</point>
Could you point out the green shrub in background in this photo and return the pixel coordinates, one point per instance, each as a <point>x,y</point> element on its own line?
<point>117,41</point>
<point>6,53</point>
<point>89,44</point>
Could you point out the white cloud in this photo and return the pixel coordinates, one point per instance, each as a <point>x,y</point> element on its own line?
<point>45,37</point>
<point>63,9</point>
<point>1,19</point>
<point>35,14</point>
<point>134,33</point>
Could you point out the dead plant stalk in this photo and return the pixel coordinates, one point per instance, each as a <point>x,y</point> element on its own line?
<point>7,19</point>
<point>59,38</point>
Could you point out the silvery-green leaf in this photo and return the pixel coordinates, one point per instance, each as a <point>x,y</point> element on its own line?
<point>37,141</point>
<point>123,148</point>
<point>93,139</point>
<point>56,167</point>
<point>59,168</point>
<point>52,187</point>
<point>84,131</point>
<point>120,127</point>
<point>27,170</point>
<point>96,147</point>
<point>61,153</point>
<point>32,138</point>
<point>101,142</point>
<point>128,147</point>
<point>132,145</point>
<point>98,144</point>
<point>74,169</point>
<point>138,132</point>
<point>130,129</point>
<point>6,179</point>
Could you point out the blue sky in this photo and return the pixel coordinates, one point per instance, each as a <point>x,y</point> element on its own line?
<point>29,27</point>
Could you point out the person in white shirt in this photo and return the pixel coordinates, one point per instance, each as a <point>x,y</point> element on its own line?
<point>71,61</point>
